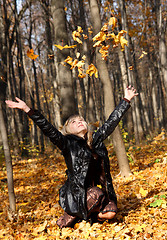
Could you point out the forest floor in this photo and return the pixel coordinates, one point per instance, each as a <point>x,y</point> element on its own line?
<point>142,198</point>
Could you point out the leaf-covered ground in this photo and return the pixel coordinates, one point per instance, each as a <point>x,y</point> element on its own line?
<point>142,198</point>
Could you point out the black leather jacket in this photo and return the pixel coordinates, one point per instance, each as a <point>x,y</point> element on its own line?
<point>78,156</point>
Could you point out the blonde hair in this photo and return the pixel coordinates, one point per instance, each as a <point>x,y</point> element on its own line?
<point>66,130</point>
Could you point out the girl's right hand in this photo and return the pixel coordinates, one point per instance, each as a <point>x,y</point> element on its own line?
<point>19,104</point>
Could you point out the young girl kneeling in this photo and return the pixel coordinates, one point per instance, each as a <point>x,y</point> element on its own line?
<point>88,191</point>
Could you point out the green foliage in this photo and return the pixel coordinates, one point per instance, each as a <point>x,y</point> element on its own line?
<point>130,158</point>
<point>31,149</point>
<point>124,133</point>
<point>160,201</point>
<point>157,160</point>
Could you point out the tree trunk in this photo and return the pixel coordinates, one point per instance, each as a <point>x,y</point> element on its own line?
<point>108,94</point>
<point>161,26</point>
<point>9,168</point>
<point>64,75</point>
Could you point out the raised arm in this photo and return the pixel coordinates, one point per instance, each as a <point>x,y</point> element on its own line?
<point>108,127</point>
<point>47,128</point>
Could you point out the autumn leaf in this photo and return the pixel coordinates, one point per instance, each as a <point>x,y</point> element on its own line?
<point>143,192</point>
<point>92,70</point>
<point>85,36</point>
<point>79,29</point>
<point>112,21</point>
<point>51,56</point>
<point>104,51</point>
<point>104,28</point>
<point>100,37</point>
<point>66,46</point>
<point>131,68</point>
<point>74,63</point>
<point>30,54</point>
<point>143,54</point>
<point>123,43</point>
<point>2,78</point>
<point>69,60</point>
<point>77,35</point>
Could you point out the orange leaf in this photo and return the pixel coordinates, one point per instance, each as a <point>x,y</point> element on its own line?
<point>66,46</point>
<point>112,21</point>
<point>30,54</point>
<point>142,55</point>
<point>104,51</point>
<point>131,68</point>
<point>76,36</point>
<point>92,70</point>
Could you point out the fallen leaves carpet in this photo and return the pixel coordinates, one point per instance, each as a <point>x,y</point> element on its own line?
<point>142,198</point>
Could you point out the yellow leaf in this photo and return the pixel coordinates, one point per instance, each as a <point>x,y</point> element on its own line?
<point>30,54</point>
<point>92,70</point>
<point>84,57</point>
<point>123,42</point>
<point>140,228</point>
<point>79,29</point>
<point>80,64</point>
<point>142,55</point>
<point>101,36</point>
<point>85,36</point>
<point>104,28</point>
<point>74,63</point>
<point>66,46</point>
<point>112,21</point>
<point>76,35</point>
<point>143,192</point>
<point>131,68</point>
<point>104,51</point>
<point>68,60</point>
<point>78,54</point>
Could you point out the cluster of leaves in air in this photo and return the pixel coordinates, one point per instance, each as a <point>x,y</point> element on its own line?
<point>99,41</point>
<point>103,40</point>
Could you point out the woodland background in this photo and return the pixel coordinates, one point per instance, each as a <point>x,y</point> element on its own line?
<point>49,57</point>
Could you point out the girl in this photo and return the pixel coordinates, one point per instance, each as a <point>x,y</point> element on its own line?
<point>88,191</point>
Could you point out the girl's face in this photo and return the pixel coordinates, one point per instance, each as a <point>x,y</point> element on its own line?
<point>78,126</point>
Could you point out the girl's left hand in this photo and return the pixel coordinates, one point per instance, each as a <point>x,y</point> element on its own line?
<point>130,92</point>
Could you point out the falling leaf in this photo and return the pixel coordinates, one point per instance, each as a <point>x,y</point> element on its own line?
<point>100,37</point>
<point>85,36</point>
<point>78,54</point>
<point>104,28</point>
<point>66,46</point>
<point>123,42</point>
<point>79,29</point>
<point>69,60</point>
<point>131,68</point>
<point>2,78</point>
<point>104,51</point>
<point>51,56</point>
<point>84,57</point>
<point>92,70</point>
<point>74,63</point>
<point>30,54</point>
<point>112,21</point>
<point>77,35</point>
<point>142,55</point>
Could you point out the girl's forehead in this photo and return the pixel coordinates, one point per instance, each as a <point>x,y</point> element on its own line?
<point>76,117</point>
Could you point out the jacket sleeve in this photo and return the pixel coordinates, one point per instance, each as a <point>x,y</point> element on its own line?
<point>56,137</point>
<point>108,127</point>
